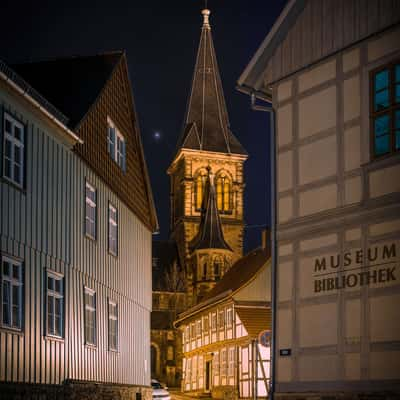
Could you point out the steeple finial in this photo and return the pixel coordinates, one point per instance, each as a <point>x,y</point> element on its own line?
<point>206,14</point>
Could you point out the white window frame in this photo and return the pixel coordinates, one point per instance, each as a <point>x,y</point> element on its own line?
<point>91,309</point>
<point>231,361</point>
<point>92,204</point>
<point>12,283</point>
<point>55,295</point>
<point>221,321</point>
<point>214,322</point>
<point>229,317</point>
<point>14,143</point>
<point>112,318</point>
<point>116,144</point>
<point>112,222</point>
<point>198,328</point>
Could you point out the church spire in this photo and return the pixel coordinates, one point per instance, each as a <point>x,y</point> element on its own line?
<point>206,125</point>
<point>210,235</point>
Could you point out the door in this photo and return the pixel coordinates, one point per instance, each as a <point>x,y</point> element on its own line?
<point>208,376</point>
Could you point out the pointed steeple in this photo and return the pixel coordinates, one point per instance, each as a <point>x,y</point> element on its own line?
<point>206,124</point>
<point>210,235</point>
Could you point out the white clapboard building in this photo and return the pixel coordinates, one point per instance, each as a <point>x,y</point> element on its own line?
<point>76,227</point>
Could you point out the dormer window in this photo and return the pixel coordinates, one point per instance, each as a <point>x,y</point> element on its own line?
<point>116,144</point>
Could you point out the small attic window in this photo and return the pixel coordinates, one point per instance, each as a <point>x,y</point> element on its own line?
<point>116,144</point>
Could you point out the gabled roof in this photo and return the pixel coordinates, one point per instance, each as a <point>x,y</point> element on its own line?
<point>63,79</point>
<point>206,125</point>
<point>255,319</point>
<point>210,235</point>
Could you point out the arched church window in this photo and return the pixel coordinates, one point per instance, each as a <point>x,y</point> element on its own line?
<point>224,193</point>
<point>200,183</point>
<point>218,265</point>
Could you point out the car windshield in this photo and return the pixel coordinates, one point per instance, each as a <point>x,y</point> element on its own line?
<point>156,385</point>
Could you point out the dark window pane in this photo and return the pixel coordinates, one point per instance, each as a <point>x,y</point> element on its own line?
<point>17,154</point>
<point>7,168</point>
<point>397,73</point>
<point>17,173</point>
<point>381,80</point>
<point>50,283</point>
<point>382,125</point>
<point>15,295</point>
<point>58,285</point>
<point>6,303</point>
<point>16,271</point>
<point>382,145</point>
<point>381,100</point>
<point>15,317</point>
<point>17,132</point>
<point>397,93</point>
<point>397,130</point>
<point>8,149</point>
<point>6,268</point>
<point>8,126</point>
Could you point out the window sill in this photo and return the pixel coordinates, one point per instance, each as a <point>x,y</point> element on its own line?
<point>15,331</point>
<point>386,160</point>
<point>92,239</point>
<point>114,351</point>
<point>54,338</point>
<point>13,184</point>
<point>111,253</point>
<point>90,346</point>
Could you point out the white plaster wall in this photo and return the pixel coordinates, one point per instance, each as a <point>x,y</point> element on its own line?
<point>285,280</point>
<point>385,318</point>
<point>351,98</point>
<point>317,75</point>
<point>318,160</point>
<point>384,181</point>
<point>352,148</point>
<point>318,368</point>
<point>285,171</point>
<point>284,125</point>
<point>319,199</point>
<point>351,59</point>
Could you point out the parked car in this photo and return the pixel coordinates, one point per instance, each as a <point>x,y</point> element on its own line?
<point>159,391</point>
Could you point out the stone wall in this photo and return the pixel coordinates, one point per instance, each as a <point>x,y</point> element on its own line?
<point>73,390</point>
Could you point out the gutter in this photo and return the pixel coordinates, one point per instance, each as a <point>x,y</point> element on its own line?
<point>269,109</point>
<point>31,100</point>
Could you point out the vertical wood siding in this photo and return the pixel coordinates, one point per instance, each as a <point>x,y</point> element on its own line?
<point>44,227</point>
<point>326,26</point>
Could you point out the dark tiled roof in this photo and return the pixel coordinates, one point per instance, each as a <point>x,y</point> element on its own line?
<point>161,320</point>
<point>70,84</point>
<point>206,124</point>
<point>240,273</point>
<point>255,319</point>
<point>165,256</point>
<point>210,235</point>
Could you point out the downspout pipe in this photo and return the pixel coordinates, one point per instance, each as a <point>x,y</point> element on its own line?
<point>269,109</point>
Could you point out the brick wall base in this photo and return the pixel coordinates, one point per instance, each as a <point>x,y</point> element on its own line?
<point>73,390</point>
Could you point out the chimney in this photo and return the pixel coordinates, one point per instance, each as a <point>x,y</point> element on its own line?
<point>266,239</point>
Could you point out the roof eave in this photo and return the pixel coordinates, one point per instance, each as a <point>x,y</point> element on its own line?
<point>251,77</point>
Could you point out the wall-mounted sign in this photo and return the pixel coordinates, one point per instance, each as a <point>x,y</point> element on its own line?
<point>264,338</point>
<point>285,352</point>
<point>373,266</point>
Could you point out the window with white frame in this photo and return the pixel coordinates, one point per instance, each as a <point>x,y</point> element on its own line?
<point>13,150</point>
<point>214,321</point>
<point>112,325</point>
<point>231,361</point>
<point>206,325</point>
<point>11,293</point>
<point>90,210</point>
<point>90,316</point>
<point>112,229</point>
<point>221,319</point>
<point>198,328</point>
<point>223,361</point>
<point>55,304</point>
<point>229,317</point>
<point>116,144</point>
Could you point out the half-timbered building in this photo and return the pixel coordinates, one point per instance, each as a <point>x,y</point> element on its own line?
<point>331,71</point>
<point>222,354</point>
<point>76,230</point>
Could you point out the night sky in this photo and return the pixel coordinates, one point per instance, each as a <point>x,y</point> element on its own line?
<point>160,38</point>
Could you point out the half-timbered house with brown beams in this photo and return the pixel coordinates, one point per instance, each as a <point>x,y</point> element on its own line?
<point>76,230</point>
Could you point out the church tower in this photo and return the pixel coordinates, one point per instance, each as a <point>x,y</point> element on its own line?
<point>206,179</point>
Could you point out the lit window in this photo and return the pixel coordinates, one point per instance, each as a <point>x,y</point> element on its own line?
<point>218,264</point>
<point>213,321</point>
<point>229,318</point>
<point>221,319</point>
<point>200,184</point>
<point>206,325</point>
<point>116,144</point>
<point>224,194</point>
<point>170,353</point>
<point>90,316</point>
<point>385,110</point>
<point>13,150</point>
<point>112,229</point>
<point>198,328</point>
<point>11,293</point>
<point>216,363</point>
<point>187,336</point>
<point>231,361</point>
<point>55,304</point>
<point>90,211</point>
<point>112,325</point>
<point>223,361</point>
